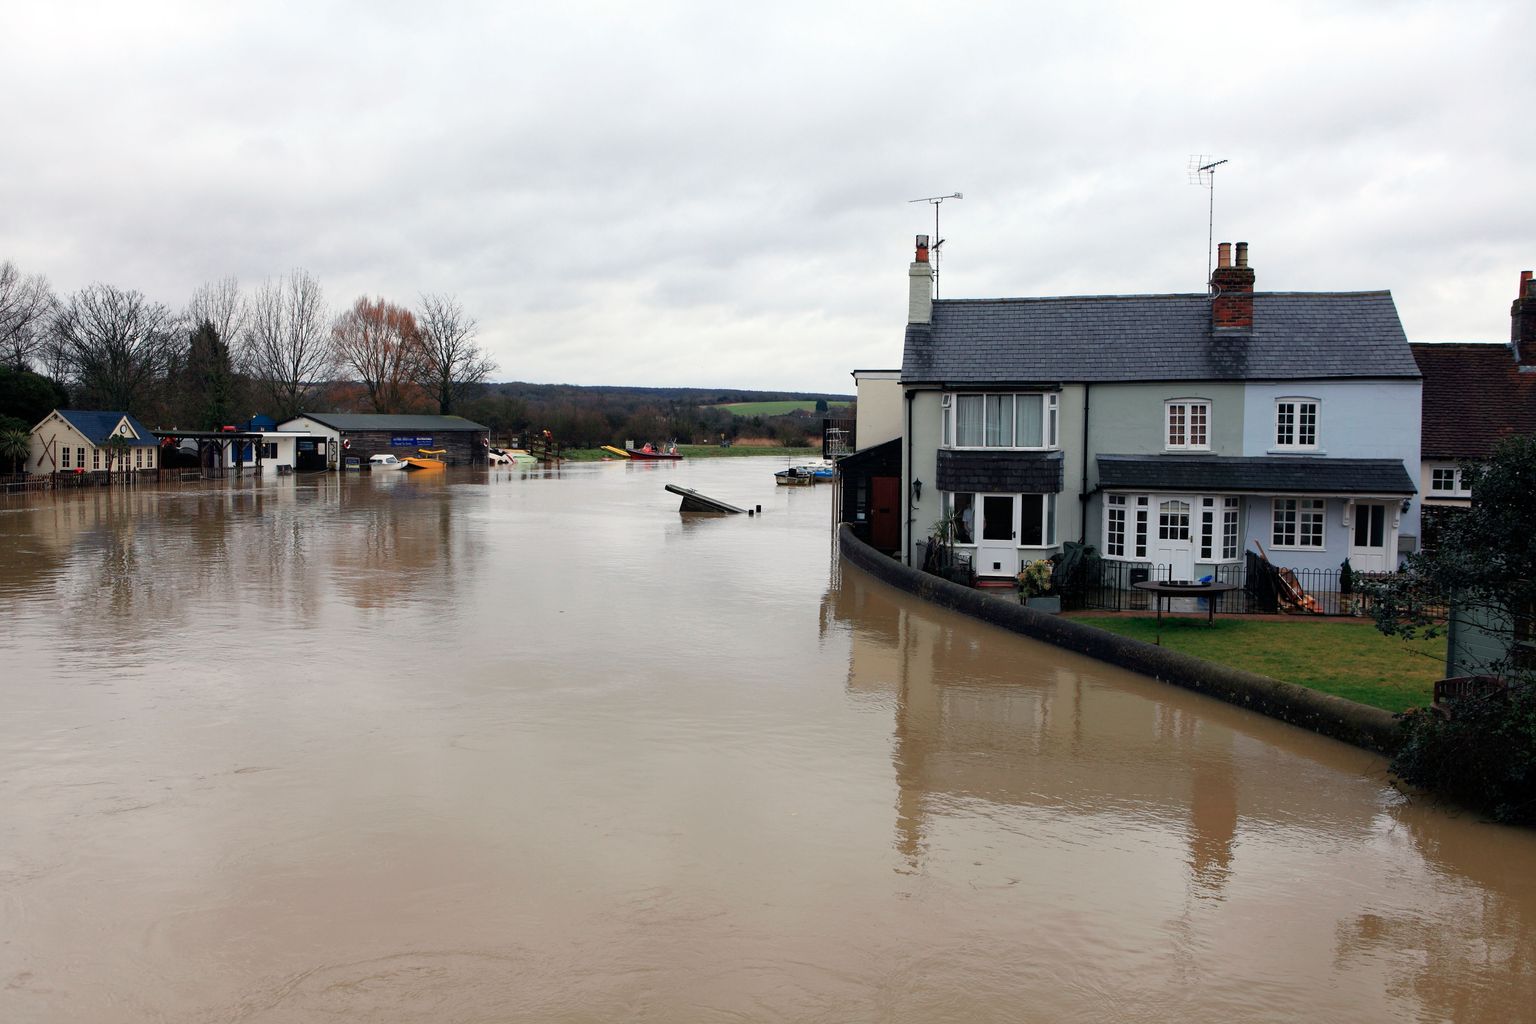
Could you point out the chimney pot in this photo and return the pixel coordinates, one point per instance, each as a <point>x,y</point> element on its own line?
<point>1232,289</point>
<point>920,285</point>
<point>1522,323</point>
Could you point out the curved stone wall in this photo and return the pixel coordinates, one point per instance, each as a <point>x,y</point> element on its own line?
<point>1368,727</point>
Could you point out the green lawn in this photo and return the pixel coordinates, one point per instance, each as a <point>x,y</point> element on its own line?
<point>1346,657</point>
<point>775,408</point>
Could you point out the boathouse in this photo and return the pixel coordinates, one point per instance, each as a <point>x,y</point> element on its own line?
<point>88,441</point>
<point>362,435</point>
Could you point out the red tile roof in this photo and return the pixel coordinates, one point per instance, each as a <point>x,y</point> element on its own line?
<point>1474,396</point>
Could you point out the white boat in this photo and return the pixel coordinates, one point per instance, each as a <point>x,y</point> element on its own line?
<point>377,462</point>
<point>509,457</point>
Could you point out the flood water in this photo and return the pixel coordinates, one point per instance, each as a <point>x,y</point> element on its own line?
<point>535,747</point>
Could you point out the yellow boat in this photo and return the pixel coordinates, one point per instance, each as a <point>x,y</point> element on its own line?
<point>427,458</point>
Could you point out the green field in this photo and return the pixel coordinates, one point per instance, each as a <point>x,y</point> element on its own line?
<point>775,408</point>
<point>1344,657</point>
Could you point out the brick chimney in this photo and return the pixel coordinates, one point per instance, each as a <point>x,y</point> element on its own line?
<point>1231,288</point>
<point>1522,323</point>
<point>920,285</point>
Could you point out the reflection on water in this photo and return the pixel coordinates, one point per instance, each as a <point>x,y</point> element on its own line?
<point>533,746</point>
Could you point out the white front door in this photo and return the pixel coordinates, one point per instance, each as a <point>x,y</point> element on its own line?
<point>997,545</point>
<point>1173,545</point>
<point>1369,533</point>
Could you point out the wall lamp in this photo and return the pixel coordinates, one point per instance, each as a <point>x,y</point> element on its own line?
<point>1407,504</point>
<point>917,490</point>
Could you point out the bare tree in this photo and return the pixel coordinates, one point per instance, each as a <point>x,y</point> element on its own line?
<point>221,304</point>
<point>114,345</point>
<point>452,362</point>
<point>26,304</point>
<point>381,344</point>
<point>287,343</point>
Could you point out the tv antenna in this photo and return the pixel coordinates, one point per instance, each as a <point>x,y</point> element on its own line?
<point>1202,172</point>
<point>937,241</point>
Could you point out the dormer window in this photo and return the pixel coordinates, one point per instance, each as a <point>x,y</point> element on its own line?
<point>1187,425</point>
<point>1296,423</point>
<point>1001,420</point>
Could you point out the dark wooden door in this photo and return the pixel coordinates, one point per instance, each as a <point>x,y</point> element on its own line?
<point>885,513</point>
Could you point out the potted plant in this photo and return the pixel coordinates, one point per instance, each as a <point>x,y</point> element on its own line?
<point>1347,587</point>
<point>1036,581</point>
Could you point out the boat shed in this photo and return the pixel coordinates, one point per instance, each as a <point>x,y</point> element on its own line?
<point>362,435</point>
<point>870,497</point>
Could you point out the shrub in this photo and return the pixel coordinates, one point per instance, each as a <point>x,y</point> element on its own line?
<point>1483,756</point>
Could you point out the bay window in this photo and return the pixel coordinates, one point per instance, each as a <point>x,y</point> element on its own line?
<point>1001,421</point>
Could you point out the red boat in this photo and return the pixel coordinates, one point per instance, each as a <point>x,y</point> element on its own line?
<point>649,451</point>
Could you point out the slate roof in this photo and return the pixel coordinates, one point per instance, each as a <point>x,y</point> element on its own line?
<point>999,471</point>
<point>97,426</point>
<point>1314,335</point>
<point>391,421</point>
<point>1474,397</point>
<point>1266,474</point>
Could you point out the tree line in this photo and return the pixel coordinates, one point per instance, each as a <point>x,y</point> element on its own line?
<point>279,347</point>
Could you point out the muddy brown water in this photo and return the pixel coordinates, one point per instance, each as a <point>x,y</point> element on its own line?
<point>532,746</point>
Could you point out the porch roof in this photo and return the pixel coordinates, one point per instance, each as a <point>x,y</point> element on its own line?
<point>1263,474</point>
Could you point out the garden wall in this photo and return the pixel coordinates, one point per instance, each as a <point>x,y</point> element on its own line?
<point>1368,727</point>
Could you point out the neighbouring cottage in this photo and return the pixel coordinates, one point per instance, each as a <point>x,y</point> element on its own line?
<point>362,435</point>
<point>80,441</point>
<point>1476,394</point>
<point>1171,432</point>
<point>870,478</point>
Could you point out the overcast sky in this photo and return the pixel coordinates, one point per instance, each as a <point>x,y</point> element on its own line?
<point>715,194</point>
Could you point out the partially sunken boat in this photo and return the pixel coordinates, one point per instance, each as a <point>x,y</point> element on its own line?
<point>693,501</point>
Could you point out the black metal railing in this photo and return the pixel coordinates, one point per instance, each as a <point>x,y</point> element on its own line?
<point>1261,588</point>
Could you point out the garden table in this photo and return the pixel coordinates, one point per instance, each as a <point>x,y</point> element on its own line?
<point>1170,588</point>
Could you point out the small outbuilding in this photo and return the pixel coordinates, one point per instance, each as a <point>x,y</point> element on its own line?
<point>362,435</point>
<point>82,441</point>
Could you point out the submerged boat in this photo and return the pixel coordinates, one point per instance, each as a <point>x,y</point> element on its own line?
<point>795,476</point>
<point>378,462</point>
<point>650,451</point>
<point>693,501</point>
<point>509,457</point>
<point>427,458</point>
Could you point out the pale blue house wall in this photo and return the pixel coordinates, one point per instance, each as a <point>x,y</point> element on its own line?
<point>1378,419</point>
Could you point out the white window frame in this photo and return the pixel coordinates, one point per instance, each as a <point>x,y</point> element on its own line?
<point>1179,432</point>
<point>1231,529</point>
<point>1047,520</point>
<point>1458,488</point>
<point>1306,519</point>
<point>1049,420</point>
<point>1291,413</point>
<point>1114,525</point>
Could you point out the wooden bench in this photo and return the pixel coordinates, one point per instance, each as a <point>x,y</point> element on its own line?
<point>1462,688</point>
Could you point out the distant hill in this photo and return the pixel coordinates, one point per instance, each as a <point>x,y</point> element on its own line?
<point>698,396</point>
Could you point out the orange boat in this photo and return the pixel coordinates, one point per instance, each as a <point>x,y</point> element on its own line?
<point>427,458</point>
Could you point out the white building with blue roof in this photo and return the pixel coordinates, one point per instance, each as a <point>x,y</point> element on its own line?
<point>77,441</point>
<point>1171,432</point>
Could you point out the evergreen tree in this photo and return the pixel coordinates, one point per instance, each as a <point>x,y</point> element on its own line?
<point>209,393</point>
